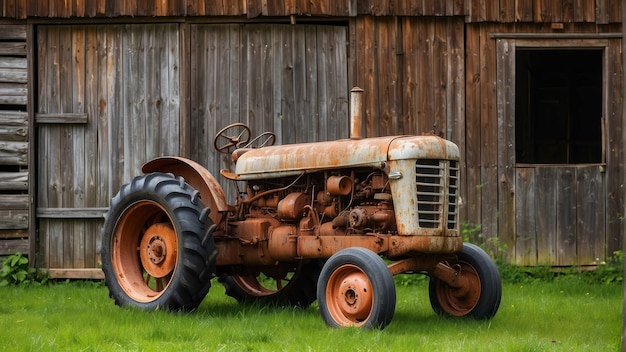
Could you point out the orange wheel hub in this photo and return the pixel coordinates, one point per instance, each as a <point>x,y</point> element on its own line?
<point>158,250</point>
<point>460,301</point>
<point>349,295</point>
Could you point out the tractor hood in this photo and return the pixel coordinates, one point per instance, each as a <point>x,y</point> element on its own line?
<point>294,159</point>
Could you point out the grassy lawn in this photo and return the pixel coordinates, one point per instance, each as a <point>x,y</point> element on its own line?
<point>536,316</point>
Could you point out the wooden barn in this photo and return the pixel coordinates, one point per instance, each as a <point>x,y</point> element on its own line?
<point>531,91</point>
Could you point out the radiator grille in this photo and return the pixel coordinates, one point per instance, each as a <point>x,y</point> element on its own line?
<point>437,184</point>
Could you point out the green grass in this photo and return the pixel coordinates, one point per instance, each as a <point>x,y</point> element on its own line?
<point>561,315</point>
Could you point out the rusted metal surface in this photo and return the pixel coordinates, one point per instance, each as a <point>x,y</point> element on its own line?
<point>249,244</point>
<point>198,177</point>
<point>458,287</point>
<point>356,105</point>
<point>293,159</point>
<point>339,185</point>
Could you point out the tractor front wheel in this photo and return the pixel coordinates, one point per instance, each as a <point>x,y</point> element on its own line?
<point>356,289</point>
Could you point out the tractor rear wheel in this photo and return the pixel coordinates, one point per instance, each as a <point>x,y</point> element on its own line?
<point>287,284</point>
<point>157,245</point>
<point>480,297</point>
<point>356,289</point>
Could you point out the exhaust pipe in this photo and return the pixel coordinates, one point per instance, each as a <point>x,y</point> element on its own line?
<point>356,98</point>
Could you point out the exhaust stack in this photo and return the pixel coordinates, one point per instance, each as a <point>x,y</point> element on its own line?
<point>356,95</point>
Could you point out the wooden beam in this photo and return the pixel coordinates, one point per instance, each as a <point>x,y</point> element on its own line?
<point>12,246</point>
<point>13,48</point>
<point>71,213</point>
<point>13,32</point>
<point>91,274</point>
<point>62,118</point>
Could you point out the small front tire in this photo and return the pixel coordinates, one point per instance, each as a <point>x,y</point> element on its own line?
<point>356,288</point>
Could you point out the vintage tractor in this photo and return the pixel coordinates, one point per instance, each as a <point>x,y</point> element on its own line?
<point>310,221</point>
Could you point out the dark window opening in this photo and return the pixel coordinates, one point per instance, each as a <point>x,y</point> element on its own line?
<point>558,106</point>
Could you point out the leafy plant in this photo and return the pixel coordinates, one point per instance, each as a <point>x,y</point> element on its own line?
<point>472,233</point>
<point>15,270</point>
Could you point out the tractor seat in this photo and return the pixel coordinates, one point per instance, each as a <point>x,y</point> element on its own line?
<point>237,153</point>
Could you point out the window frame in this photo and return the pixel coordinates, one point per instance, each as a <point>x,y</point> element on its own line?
<point>507,45</point>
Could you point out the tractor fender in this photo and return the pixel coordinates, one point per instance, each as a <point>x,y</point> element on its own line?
<point>198,177</point>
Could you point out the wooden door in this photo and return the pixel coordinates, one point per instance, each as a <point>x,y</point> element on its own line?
<point>548,214</point>
<point>108,101</point>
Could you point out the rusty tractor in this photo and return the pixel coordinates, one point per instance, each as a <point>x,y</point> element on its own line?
<point>311,221</point>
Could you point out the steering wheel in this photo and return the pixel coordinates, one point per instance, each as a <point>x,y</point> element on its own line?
<point>265,139</point>
<point>230,137</point>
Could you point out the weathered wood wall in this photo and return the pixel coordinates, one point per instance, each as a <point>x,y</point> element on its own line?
<point>110,100</point>
<point>412,72</point>
<point>502,11</point>
<point>14,142</point>
<point>290,80</point>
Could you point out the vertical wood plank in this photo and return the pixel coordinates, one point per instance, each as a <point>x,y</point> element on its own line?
<point>489,134</point>
<point>602,11</point>
<point>287,108</point>
<point>455,82</point>
<point>410,84</point>
<point>492,11</point>
<point>425,116</point>
<point>386,85</point>
<point>525,243</point>
<point>473,182</point>
<point>615,11</point>
<point>566,216</point>
<point>614,150</point>
<point>590,227</point>
<point>523,10</point>
<point>546,215</point>
<point>505,93</point>
<point>80,185</point>
<point>324,107</point>
<point>275,120</point>
<point>91,158</point>
<point>366,61</point>
<point>312,82</point>
<point>557,10</point>
<point>543,10</point>
<point>332,66</point>
<point>507,12</point>
<point>297,111</point>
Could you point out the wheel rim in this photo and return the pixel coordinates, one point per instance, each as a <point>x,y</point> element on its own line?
<point>267,282</point>
<point>349,296</point>
<point>145,251</point>
<point>460,301</point>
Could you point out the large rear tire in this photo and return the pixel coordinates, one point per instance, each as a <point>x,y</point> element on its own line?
<point>157,245</point>
<point>288,284</point>
<point>480,297</point>
<point>356,289</point>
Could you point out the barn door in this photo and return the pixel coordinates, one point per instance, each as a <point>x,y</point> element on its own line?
<point>107,103</point>
<point>553,189</point>
<point>288,79</point>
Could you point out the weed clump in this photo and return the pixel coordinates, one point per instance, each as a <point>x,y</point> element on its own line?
<point>16,271</point>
